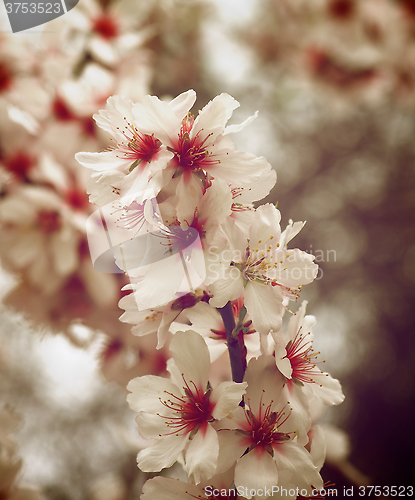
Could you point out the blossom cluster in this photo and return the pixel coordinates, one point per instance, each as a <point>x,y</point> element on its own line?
<point>208,272</point>
<point>348,49</point>
<point>51,83</point>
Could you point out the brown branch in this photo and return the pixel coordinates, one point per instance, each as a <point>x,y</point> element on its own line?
<point>236,346</point>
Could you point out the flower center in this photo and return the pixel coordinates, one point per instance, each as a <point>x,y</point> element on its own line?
<point>257,263</point>
<point>177,238</point>
<point>341,9</point>
<point>263,430</point>
<point>302,358</point>
<point>49,221</point>
<point>193,410</point>
<point>19,164</point>
<point>132,215</point>
<point>88,126</point>
<point>77,199</point>
<point>192,154</point>
<point>139,147</point>
<point>61,110</point>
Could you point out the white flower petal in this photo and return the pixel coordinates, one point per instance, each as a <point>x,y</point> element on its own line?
<point>202,454</point>
<point>265,383</point>
<point>105,160</point>
<point>297,268</point>
<point>17,210</point>
<point>152,426</point>
<point>283,364</point>
<point>112,117</point>
<point>226,397</point>
<point>290,231</point>
<point>296,321</point>
<point>191,356</point>
<point>299,420</point>
<point>215,204</point>
<point>209,123</point>
<point>204,317</point>
<point>295,458</point>
<point>264,305</point>
<point>254,471</point>
<point>188,195</point>
<point>327,389</point>
<point>237,128</point>
<point>231,447</point>
<point>161,455</point>
<point>146,392</point>
<point>183,103</point>
<point>257,189</point>
<point>154,290</point>
<point>265,227</point>
<point>236,164</point>
<point>318,446</point>
<point>153,116</point>
<point>337,443</point>
<point>224,290</point>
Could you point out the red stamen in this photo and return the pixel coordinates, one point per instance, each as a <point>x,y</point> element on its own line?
<point>302,358</point>
<point>193,410</point>
<point>262,430</point>
<point>139,147</point>
<point>192,154</point>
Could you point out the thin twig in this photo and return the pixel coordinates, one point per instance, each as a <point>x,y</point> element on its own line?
<point>236,346</point>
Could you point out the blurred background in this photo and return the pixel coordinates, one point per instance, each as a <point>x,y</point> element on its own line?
<point>334,84</point>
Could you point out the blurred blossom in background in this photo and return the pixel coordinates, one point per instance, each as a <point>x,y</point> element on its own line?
<point>334,83</point>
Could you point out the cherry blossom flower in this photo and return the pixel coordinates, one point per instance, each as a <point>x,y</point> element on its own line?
<point>154,320</point>
<point>179,412</point>
<point>110,30</point>
<point>261,437</point>
<point>200,145</point>
<point>135,157</point>
<point>39,235</point>
<point>296,360</point>
<point>262,266</point>
<point>173,251</point>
